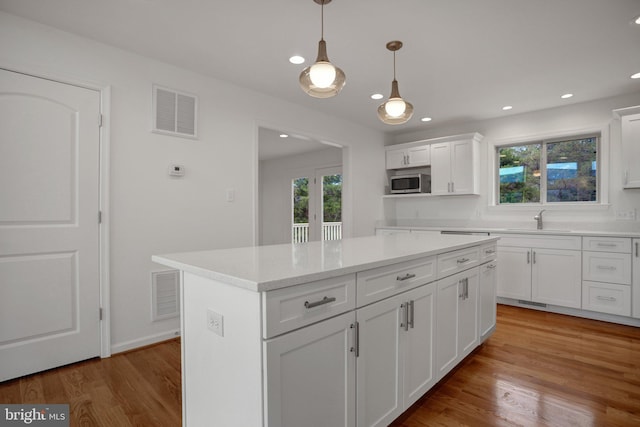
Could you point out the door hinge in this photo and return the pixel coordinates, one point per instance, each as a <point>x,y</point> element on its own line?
<point>100,120</point>
<point>100,313</point>
<point>99,217</point>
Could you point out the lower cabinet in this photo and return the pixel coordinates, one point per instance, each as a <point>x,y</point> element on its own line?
<point>395,360</point>
<point>487,299</point>
<point>310,375</point>
<point>635,281</point>
<point>456,319</point>
<point>541,274</point>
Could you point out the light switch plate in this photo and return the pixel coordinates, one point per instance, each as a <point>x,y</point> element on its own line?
<point>215,322</point>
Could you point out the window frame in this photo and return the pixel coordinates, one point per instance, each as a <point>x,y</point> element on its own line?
<point>602,171</point>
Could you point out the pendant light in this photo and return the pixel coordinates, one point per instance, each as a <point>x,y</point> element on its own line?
<point>395,111</point>
<point>322,79</point>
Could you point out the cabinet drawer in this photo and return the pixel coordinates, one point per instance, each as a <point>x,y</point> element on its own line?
<point>606,298</point>
<point>606,267</point>
<point>382,282</point>
<point>296,306</point>
<point>452,262</point>
<point>547,241</point>
<point>607,244</point>
<point>488,252</point>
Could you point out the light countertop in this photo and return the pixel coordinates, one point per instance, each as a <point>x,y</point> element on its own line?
<point>515,230</point>
<point>264,268</point>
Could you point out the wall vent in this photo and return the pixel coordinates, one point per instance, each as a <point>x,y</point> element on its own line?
<point>174,113</point>
<point>164,294</point>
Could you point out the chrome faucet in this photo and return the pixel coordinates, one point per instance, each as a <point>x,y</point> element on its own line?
<point>539,219</point>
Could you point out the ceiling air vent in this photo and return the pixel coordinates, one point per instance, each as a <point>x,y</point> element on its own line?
<point>174,113</point>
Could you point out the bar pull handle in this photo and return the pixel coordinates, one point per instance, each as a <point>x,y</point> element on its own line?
<point>356,339</point>
<point>534,257</point>
<point>411,314</point>
<point>323,301</point>
<point>404,323</point>
<point>405,277</point>
<point>603,298</point>
<point>529,257</point>
<point>607,245</point>
<point>637,249</point>
<point>606,267</point>
<point>462,260</point>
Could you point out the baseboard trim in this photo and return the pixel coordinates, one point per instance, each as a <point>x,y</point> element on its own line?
<point>144,341</point>
<point>604,317</point>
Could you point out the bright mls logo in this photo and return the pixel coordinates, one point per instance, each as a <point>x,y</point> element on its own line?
<point>34,415</point>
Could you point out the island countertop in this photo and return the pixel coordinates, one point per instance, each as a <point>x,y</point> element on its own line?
<point>265,268</point>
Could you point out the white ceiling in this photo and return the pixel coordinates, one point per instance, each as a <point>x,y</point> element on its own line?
<point>462,60</point>
<point>272,145</point>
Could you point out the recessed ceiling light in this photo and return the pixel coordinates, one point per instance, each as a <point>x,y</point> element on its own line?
<point>636,76</point>
<point>507,107</point>
<point>377,96</point>
<point>284,135</point>
<point>296,59</point>
<point>566,95</point>
<point>425,119</point>
<point>636,20</point>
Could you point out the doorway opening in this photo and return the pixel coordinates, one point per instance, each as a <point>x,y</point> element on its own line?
<point>317,206</point>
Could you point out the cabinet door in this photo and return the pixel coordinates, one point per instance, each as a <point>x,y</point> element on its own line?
<point>631,150</point>
<point>310,375</point>
<point>418,344</point>
<point>468,313</point>
<point>462,168</point>
<point>557,277</point>
<point>379,379</point>
<point>514,274</point>
<point>419,156</point>
<point>635,285</point>
<point>487,298</point>
<point>448,293</point>
<point>440,168</point>
<point>396,159</point>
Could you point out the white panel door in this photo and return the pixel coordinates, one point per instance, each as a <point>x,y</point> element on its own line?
<point>49,231</point>
<point>556,277</point>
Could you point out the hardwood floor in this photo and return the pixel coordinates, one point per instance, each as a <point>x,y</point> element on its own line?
<point>538,369</point>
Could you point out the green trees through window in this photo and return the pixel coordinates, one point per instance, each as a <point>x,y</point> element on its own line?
<point>549,171</point>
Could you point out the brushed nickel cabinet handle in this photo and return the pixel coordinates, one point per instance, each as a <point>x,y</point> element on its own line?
<point>411,314</point>
<point>405,277</point>
<point>323,301</point>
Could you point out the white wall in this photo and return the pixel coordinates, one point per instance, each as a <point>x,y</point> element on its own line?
<point>151,213</point>
<point>275,189</point>
<point>476,210</point>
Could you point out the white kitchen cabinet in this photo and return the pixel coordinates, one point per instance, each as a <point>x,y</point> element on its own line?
<point>487,299</point>
<point>395,357</point>
<point>606,275</point>
<point>635,286</point>
<point>456,319</point>
<point>310,375</point>
<point>514,274</point>
<point>454,167</point>
<point>630,136</point>
<point>555,277</point>
<point>541,268</point>
<point>408,157</point>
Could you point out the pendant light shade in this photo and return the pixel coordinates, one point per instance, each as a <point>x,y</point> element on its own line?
<point>395,111</point>
<point>322,79</point>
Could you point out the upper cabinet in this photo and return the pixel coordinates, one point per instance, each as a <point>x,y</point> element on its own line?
<point>630,135</point>
<point>454,162</point>
<point>409,157</point>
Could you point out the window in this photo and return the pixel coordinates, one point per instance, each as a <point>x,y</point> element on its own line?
<point>553,171</point>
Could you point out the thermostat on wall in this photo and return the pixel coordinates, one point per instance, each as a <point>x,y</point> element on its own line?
<point>176,170</point>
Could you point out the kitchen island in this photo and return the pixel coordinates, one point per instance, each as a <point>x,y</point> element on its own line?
<point>336,333</point>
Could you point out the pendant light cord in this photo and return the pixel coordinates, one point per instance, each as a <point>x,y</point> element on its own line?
<point>322,21</point>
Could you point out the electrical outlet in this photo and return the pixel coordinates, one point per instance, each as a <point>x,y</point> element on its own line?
<point>626,215</point>
<point>215,322</point>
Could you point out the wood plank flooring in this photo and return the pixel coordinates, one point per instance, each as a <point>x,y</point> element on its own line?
<point>538,369</point>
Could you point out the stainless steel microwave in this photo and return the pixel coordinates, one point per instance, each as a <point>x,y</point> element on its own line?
<point>415,183</point>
